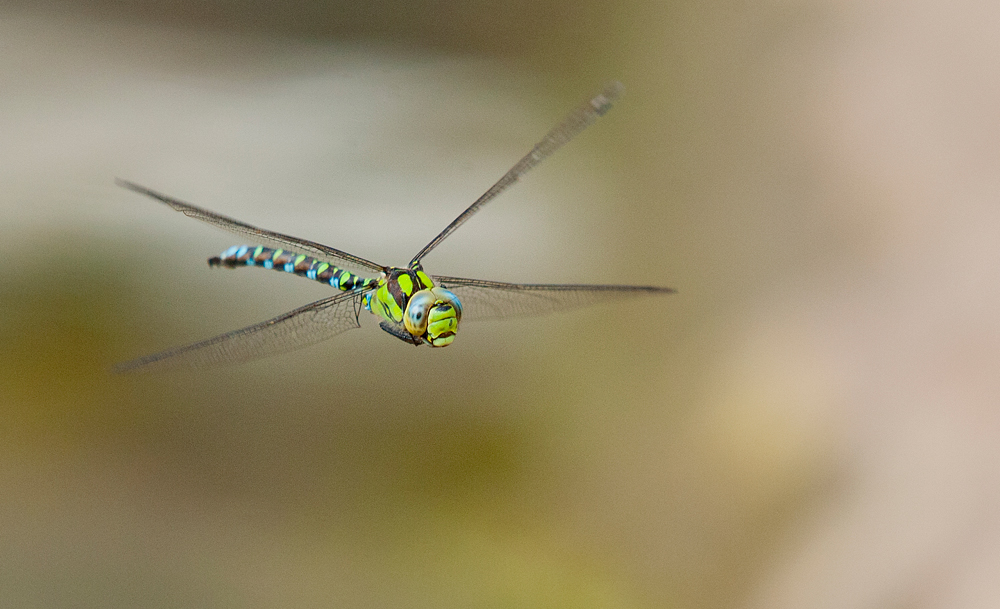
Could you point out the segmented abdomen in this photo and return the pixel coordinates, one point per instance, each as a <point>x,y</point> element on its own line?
<point>290,262</point>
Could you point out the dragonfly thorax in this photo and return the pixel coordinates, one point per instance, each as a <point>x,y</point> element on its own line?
<point>408,298</point>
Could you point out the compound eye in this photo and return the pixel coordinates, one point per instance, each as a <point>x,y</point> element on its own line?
<point>415,319</point>
<point>447,297</point>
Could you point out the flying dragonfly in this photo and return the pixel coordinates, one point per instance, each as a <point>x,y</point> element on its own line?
<point>413,306</point>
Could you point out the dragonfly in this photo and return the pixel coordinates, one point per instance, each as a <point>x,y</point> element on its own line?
<point>411,305</point>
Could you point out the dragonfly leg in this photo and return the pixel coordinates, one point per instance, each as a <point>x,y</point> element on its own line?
<point>401,333</point>
<point>358,305</point>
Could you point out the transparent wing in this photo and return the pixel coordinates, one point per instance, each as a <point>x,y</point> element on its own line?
<point>490,300</point>
<point>304,326</point>
<point>260,236</point>
<point>572,125</point>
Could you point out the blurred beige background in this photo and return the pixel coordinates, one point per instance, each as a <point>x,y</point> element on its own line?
<point>812,421</point>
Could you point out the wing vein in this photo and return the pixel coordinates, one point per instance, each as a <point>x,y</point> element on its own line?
<point>261,235</point>
<point>304,326</point>
<point>493,300</point>
<point>570,127</point>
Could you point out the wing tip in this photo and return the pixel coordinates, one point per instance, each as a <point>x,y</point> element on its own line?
<point>126,184</point>
<point>607,97</point>
<point>124,368</point>
<point>140,364</point>
<point>123,183</point>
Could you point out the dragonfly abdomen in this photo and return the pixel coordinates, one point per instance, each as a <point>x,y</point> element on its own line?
<point>290,262</point>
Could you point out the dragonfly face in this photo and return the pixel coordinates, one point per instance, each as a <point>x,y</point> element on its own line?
<point>433,315</point>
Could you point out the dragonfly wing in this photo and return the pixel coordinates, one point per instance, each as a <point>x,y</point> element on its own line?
<point>491,300</point>
<point>570,127</point>
<point>260,236</point>
<point>304,326</point>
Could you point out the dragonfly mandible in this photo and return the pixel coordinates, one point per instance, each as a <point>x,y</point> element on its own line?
<point>412,305</point>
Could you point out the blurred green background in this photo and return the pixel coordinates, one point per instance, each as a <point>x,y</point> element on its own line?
<point>810,421</point>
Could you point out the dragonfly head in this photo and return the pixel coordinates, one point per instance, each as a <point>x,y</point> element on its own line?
<point>433,314</point>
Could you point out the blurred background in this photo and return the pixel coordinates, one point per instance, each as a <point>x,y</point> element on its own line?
<point>812,421</point>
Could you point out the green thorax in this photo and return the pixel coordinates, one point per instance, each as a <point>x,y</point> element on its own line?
<point>394,291</point>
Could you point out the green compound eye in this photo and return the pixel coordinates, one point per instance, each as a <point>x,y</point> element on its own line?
<point>415,319</point>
